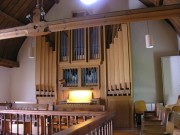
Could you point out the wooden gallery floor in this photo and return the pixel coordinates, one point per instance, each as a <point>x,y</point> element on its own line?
<point>126,132</point>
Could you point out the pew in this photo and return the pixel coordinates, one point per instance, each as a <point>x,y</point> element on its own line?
<point>29,106</point>
<point>172,126</point>
<point>157,123</point>
<point>69,121</point>
<point>79,107</point>
<point>156,120</point>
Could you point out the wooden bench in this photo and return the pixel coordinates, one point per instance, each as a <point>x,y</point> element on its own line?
<point>68,121</point>
<point>157,124</point>
<point>172,126</point>
<point>4,106</point>
<point>29,106</point>
<point>79,107</point>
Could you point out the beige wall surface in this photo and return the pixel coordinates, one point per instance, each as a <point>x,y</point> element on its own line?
<point>22,85</point>
<point>147,73</point>
<point>4,84</point>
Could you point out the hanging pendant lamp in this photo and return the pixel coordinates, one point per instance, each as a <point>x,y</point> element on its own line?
<point>149,38</point>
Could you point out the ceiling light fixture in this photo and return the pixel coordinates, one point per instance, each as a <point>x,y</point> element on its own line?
<point>38,13</point>
<point>29,17</point>
<point>88,2</point>
<point>149,38</point>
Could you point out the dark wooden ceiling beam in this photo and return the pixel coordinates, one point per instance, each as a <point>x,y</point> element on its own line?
<point>152,3</point>
<point>10,18</point>
<point>8,63</point>
<point>42,28</point>
<point>148,3</point>
<point>175,22</point>
<point>170,2</point>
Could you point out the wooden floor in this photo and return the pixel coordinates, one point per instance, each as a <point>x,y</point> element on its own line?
<point>126,132</point>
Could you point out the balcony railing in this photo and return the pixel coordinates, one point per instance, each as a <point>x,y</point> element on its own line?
<point>55,122</point>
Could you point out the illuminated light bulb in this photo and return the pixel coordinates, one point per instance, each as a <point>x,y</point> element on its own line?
<point>88,2</point>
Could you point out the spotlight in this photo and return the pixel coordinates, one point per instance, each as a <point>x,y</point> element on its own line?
<point>42,14</point>
<point>29,17</point>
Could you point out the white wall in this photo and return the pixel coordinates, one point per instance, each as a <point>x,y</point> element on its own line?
<point>23,78</point>
<point>146,62</point>
<point>5,84</point>
<point>171,78</point>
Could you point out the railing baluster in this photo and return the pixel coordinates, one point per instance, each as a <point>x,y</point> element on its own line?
<point>56,124</point>
<point>30,124</point>
<point>95,131</point>
<point>49,125</point>
<point>60,122</point>
<point>105,133</point>
<point>108,128</point>
<point>38,124</point>
<point>4,130</point>
<point>11,123</point>
<point>99,131</point>
<point>68,119</point>
<point>48,122</point>
<point>24,123</point>
<point>84,118</point>
<point>43,124</point>
<point>52,124</point>
<point>111,127</point>
<point>17,120</point>
<point>102,130</point>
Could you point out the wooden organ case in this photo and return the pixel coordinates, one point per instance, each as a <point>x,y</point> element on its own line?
<point>95,58</point>
<point>119,80</point>
<point>80,60</point>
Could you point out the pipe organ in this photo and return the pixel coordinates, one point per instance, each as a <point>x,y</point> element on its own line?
<point>80,57</point>
<point>94,58</point>
<point>118,64</point>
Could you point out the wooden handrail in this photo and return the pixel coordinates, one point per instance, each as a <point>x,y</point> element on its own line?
<point>102,123</point>
<point>42,112</point>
